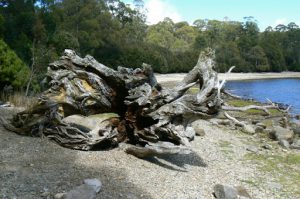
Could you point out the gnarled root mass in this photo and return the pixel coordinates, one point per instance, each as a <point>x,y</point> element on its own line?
<point>90,106</point>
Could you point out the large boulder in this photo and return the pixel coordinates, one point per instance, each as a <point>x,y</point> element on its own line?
<point>296,129</point>
<point>280,133</point>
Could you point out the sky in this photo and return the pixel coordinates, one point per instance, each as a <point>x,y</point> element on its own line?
<point>266,12</point>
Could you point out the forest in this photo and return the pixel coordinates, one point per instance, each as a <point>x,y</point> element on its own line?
<point>34,33</point>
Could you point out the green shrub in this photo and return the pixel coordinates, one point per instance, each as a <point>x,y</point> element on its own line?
<point>12,70</point>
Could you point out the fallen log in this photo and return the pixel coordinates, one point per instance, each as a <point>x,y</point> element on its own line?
<point>90,106</point>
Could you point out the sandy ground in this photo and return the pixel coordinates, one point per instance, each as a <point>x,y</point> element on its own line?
<point>175,77</point>
<point>32,168</point>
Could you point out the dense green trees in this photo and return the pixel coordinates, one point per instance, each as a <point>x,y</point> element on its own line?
<point>117,34</point>
<point>12,70</point>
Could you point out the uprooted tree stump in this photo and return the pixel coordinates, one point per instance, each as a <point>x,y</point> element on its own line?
<point>90,106</point>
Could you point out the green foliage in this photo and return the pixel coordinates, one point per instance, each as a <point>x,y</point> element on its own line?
<point>117,34</point>
<point>1,26</point>
<point>63,39</point>
<point>12,70</point>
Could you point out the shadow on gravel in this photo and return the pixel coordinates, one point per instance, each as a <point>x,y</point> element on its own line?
<point>178,162</point>
<point>34,168</point>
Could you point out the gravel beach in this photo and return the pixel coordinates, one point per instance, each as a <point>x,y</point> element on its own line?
<point>32,168</point>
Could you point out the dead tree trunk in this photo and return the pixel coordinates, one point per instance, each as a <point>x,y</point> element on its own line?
<point>141,112</point>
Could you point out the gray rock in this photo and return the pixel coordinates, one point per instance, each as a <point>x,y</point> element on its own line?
<point>268,131</point>
<point>255,121</point>
<point>296,130</point>
<point>249,129</point>
<point>281,133</point>
<point>242,192</point>
<point>81,192</point>
<point>259,129</point>
<point>200,126</point>
<point>284,143</point>
<point>59,195</point>
<point>200,132</point>
<point>267,146</point>
<point>94,183</point>
<point>225,192</point>
<point>295,144</point>
<point>252,149</point>
<point>284,122</point>
<point>261,125</point>
<point>45,194</point>
<point>274,185</point>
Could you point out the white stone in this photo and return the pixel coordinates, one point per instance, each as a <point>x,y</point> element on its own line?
<point>95,183</point>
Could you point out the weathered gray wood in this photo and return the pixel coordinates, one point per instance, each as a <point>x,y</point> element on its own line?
<point>153,119</point>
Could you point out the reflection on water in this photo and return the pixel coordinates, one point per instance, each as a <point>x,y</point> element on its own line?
<point>286,91</point>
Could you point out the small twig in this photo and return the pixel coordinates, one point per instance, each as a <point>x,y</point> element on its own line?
<point>234,120</point>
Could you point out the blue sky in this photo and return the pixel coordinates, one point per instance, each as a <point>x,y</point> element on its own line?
<point>266,12</point>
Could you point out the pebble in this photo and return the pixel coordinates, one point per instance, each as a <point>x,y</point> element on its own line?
<point>81,192</point>
<point>59,195</point>
<point>267,146</point>
<point>296,144</point>
<point>45,194</point>
<point>225,192</point>
<point>274,185</point>
<point>94,183</point>
<point>229,192</point>
<point>200,132</point>
<point>252,149</point>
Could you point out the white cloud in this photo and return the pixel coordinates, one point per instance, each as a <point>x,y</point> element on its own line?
<point>280,21</point>
<point>157,10</point>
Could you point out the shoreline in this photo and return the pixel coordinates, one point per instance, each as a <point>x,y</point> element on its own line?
<point>176,77</point>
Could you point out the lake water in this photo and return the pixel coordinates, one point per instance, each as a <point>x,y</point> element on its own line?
<point>286,91</point>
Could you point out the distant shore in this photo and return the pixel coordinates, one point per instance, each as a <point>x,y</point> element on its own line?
<point>175,77</point>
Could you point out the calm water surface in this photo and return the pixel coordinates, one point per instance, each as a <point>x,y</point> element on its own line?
<point>286,91</point>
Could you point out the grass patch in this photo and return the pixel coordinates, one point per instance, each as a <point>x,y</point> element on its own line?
<point>18,99</point>
<point>241,103</point>
<point>225,144</point>
<point>275,112</point>
<point>226,148</point>
<point>285,169</point>
<point>253,183</point>
<point>268,123</point>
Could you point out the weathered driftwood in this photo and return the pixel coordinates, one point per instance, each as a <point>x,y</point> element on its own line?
<point>138,110</point>
<point>90,106</point>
